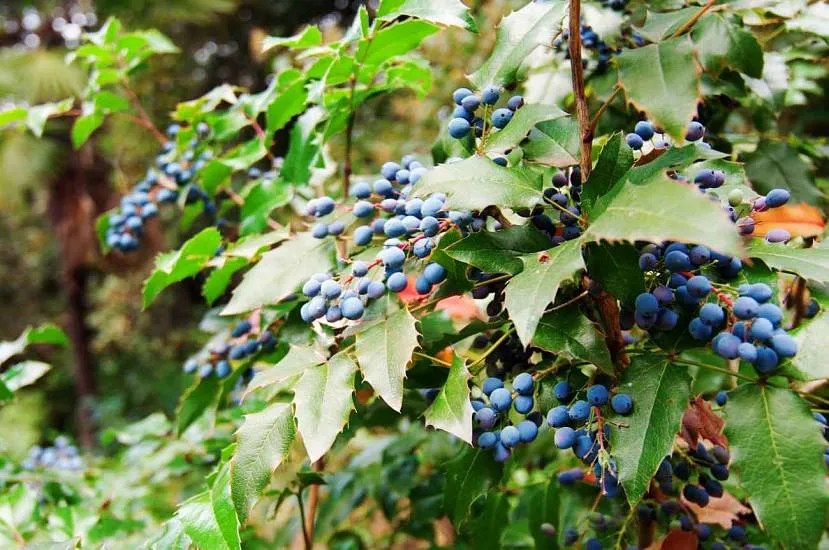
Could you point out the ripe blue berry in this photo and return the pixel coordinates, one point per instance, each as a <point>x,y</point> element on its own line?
<point>434,273</point>
<point>565,437</point>
<point>647,304</point>
<point>700,255</point>
<point>580,411</point>
<point>486,418</point>
<point>784,345</point>
<point>320,230</point>
<point>597,395</point>
<point>527,430</point>
<point>562,390</point>
<point>515,102</point>
<point>699,330</point>
<point>745,307</point>
<point>727,346</point>
<point>711,314</point>
<point>524,404</point>
<point>634,141</point>
<point>397,282</point>
<point>361,190</point>
<point>389,170</point>
<point>352,308</point>
<point>777,197</point>
<point>722,398</point>
<point>761,329</point>
<point>677,260</point>
<point>492,384</point>
<point>487,440</point>
<point>747,352</point>
<point>644,129</point>
<point>501,117</point>
<point>363,209</point>
<point>242,327</point>
<point>695,131</point>
<point>459,94</point>
<point>330,288</point>
<point>523,383</point>
<point>490,95</point>
<point>771,312</point>
<point>422,285</point>
<point>622,403</point>
<point>558,417</point>
<point>500,399</point>
<point>510,436</point>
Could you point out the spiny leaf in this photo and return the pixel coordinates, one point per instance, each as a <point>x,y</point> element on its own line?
<point>522,122</point>
<point>530,292</point>
<point>662,80</point>
<point>451,410</point>
<point>447,12</point>
<point>569,333</point>
<point>383,351</point>
<point>322,398</point>
<point>813,348</point>
<point>519,33</point>
<point>720,42</point>
<point>614,162</point>
<point>468,477</point>
<point>660,391</point>
<point>777,451</point>
<point>209,518</point>
<point>497,251</point>
<point>263,442</point>
<point>553,143</point>
<point>296,361</point>
<point>809,263</point>
<point>185,262</point>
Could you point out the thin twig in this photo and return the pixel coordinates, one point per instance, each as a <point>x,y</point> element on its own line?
<point>579,96</point>
<point>313,501</point>
<point>432,358</point>
<point>603,108</point>
<point>569,302</point>
<point>712,368</point>
<point>492,348</point>
<point>302,520</point>
<point>799,302</point>
<point>690,23</point>
<point>143,118</point>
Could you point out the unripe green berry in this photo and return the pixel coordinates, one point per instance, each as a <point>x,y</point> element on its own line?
<point>735,197</point>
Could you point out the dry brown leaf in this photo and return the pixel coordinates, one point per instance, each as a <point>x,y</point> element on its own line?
<point>720,511</point>
<point>677,539</point>
<point>798,219</point>
<point>700,422</point>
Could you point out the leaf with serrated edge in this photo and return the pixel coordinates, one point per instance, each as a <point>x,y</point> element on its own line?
<point>493,185</point>
<point>322,398</point>
<point>663,81</point>
<point>468,476</point>
<point>383,351</point>
<point>451,410</point>
<point>200,523</point>
<point>813,348</point>
<point>446,12</point>
<point>614,162</point>
<point>519,33</point>
<point>280,272</point>
<point>530,292</point>
<point>569,333</point>
<point>553,143</point>
<point>263,442</point>
<point>809,263</point>
<point>496,251</point>
<point>296,361</point>
<point>522,122</point>
<point>649,212</point>
<point>200,397</point>
<point>777,452</point>
<point>660,391</point>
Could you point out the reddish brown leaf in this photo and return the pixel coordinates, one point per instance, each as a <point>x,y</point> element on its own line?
<point>720,511</point>
<point>677,539</point>
<point>700,422</point>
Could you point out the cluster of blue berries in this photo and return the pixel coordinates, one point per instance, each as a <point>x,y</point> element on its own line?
<point>646,132</point>
<point>581,427</point>
<point>493,428</point>
<point>63,455</point>
<point>242,343</point>
<point>464,117</point>
<point>591,41</point>
<point>563,198</point>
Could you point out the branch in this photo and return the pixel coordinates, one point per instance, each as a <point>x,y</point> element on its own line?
<point>313,501</point>
<point>143,118</point>
<point>690,23</point>
<point>579,98</point>
<point>799,302</point>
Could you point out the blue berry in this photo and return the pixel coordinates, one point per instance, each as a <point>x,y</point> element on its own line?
<point>771,312</point>
<point>486,418</point>
<point>523,383</point>
<point>359,268</point>
<point>490,95</point>
<point>698,286</point>
<point>622,403</point>
<point>568,477</point>
<point>471,103</point>
<point>330,288</point>
<point>784,345</point>
<point>558,417</point>
<point>422,285</point>
<point>397,282</point>
<point>487,440</point>
<point>711,314</point>
<point>394,228</point>
<point>515,102</point>
<point>363,209</point>
<point>721,398</point>
<point>677,260</point>
<point>695,131</point>
<point>376,289</point>
<point>459,94</point>
<point>361,190</point>
<point>352,308</point>
<point>747,352</point>
<point>580,411</point>
<point>363,235</point>
<point>565,437</point>
<point>501,453</point>
<point>634,141</point>
<point>644,129</point>
<point>434,273</point>
<point>524,404</point>
<point>745,307</point>
<point>528,431</point>
<point>336,228</point>
<point>727,346</point>
<point>699,330</point>
<point>501,117</point>
<point>492,384</point>
<point>242,327</point>
<point>562,390</point>
<point>597,395</point>
<point>500,399</point>
<point>510,436</point>
<point>647,304</point>
<point>383,187</point>
<point>761,329</point>
<point>700,255</point>
<point>777,197</point>
<point>320,230</point>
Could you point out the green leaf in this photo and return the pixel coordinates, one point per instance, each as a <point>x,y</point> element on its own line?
<point>383,351</point>
<point>813,348</point>
<point>809,263</point>
<point>720,43</point>
<point>280,272</point>
<point>303,148</point>
<point>13,115</point>
<point>468,477</point>
<point>188,110</point>
<point>24,373</point>
<point>776,164</point>
<point>519,33</point>
<point>47,334</point>
<point>675,158</point>
<point>296,361</point>
<point>173,267</point>
<point>308,37</point>
<point>498,251</point>
<point>216,283</point>
<point>553,143</point>
<point>84,126</point>
<point>616,268</point>
<point>662,80</point>
<point>614,162</point>
<point>648,212</point>
<point>451,411</point>
<point>38,114</point>
<point>488,528</point>
<point>263,442</point>
<point>543,507</point>
<point>660,391</point>
<point>209,517</point>
<point>493,185</point>
<point>290,102</point>
<point>569,333</point>
<point>323,403</point>
<point>260,200</point>
<point>393,41</point>
<point>530,292</point>
<point>451,13</point>
<point>200,397</point>
<point>777,451</point>
<point>659,26</point>
<point>522,122</point>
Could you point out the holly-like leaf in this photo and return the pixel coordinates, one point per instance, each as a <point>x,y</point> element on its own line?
<point>322,398</point>
<point>216,283</point>
<point>308,37</point>
<point>813,348</point>
<point>468,477</point>
<point>383,351</point>
<point>660,391</point>
<point>616,268</point>
<point>530,292</point>
<point>522,122</point>
<point>173,267</point>
<point>553,143</point>
<point>648,212</point>
<point>663,81</point>
<point>451,411</point>
<point>519,33</point>
<point>296,361</point>
<point>209,518</point>
<point>659,26</point>
<point>280,272</point>
<point>543,507</point>
<point>775,164</point>
<point>719,43</point>
<point>810,263</point>
<point>614,162</point>
<point>263,442</point>
<point>492,184</point>
<point>200,397</point>
<point>498,251</point>
<point>488,528</point>
<point>24,373</point>
<point>287,104</point>
<point>393,41</point>
<point>451,13</point>
<point>569,333</point>
<point>777,451</point>
<point>303,148</point>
